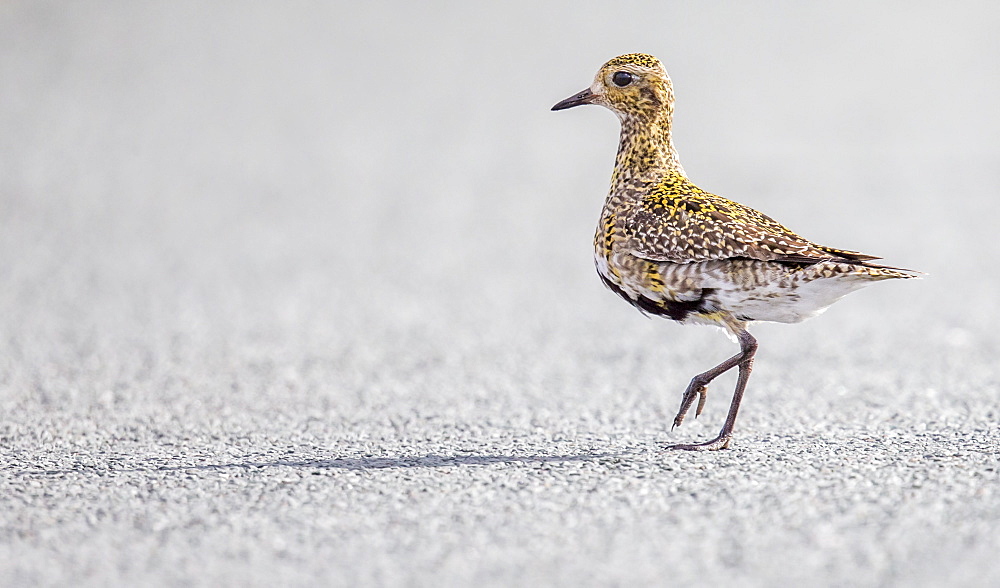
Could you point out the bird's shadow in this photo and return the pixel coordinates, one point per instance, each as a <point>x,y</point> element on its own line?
<point>383,463</point>
<point>344,463</point>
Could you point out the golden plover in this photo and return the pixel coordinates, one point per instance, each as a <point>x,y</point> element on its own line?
<point>669,248</point>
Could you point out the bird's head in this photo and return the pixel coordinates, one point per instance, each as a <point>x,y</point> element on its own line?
<point>633,86</point>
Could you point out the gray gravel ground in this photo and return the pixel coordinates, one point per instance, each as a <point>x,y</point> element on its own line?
<point>302,295</point>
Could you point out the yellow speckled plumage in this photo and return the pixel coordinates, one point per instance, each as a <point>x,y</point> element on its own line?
<point>672,249</point>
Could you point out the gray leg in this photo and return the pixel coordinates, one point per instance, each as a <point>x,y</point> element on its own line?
<point>744,359</point>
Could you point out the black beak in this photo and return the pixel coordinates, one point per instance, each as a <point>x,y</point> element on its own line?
<point>584,97</point>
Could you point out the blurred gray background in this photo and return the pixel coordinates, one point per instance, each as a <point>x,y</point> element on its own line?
<point>302,293</point>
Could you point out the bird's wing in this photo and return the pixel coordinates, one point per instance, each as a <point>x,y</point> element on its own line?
<point>689,228</point>
<point>850,255</point>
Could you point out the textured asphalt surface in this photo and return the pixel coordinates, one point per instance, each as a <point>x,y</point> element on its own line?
<point>303,295</point>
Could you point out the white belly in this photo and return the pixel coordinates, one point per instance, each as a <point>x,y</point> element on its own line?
<point>747,290</point>
<point>792,304</point>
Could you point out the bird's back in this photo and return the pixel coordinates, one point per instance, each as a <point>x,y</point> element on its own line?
<point>671,248</point>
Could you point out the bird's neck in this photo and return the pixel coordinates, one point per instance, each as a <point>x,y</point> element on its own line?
<point>645,150</point>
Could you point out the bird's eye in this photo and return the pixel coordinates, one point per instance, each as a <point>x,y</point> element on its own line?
<point>622,78</point>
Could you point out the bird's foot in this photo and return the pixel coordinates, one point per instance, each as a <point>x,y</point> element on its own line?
<point>720,442</point>
<point>692,390</point>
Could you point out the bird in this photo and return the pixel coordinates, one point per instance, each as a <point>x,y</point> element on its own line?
<point>674,250</point>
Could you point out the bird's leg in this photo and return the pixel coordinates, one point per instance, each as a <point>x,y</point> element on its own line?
<point>698,387</point>
<point>748,347</point>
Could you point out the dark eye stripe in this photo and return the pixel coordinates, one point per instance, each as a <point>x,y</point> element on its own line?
<point>622,78</point>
